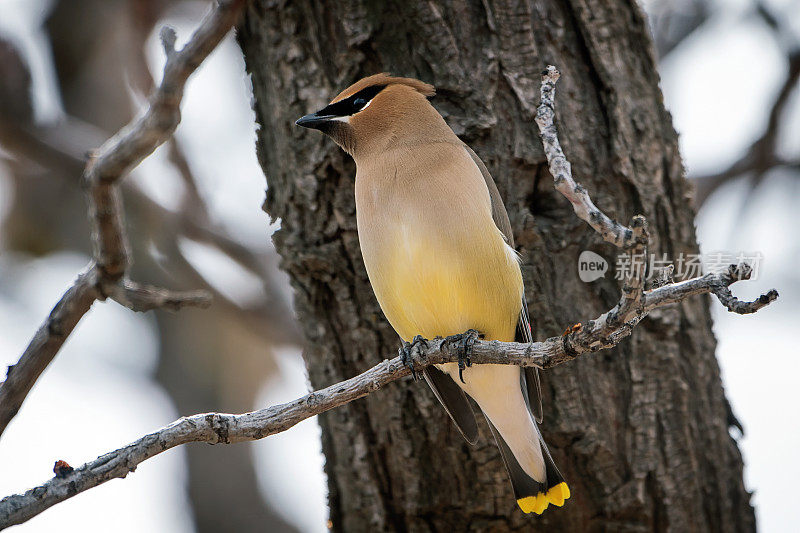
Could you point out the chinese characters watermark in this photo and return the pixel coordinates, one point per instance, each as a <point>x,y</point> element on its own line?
<point>592,266</point>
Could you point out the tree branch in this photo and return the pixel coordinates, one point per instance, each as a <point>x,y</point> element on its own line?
<point>46,343</point>
<point>217,428</point>
<point>105,277</point>
<point>604,332</point>
<point>611,230</point>
<point>142,298</point>
<point>763,154</point>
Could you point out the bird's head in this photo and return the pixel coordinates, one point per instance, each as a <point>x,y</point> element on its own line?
<point>373,112</point>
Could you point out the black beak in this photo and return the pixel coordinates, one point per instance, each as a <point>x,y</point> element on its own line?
<point>315,121</point>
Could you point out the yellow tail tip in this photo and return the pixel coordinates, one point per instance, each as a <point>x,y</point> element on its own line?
<point>533,504</point>
<point>556,495</point>
<point>537,504</point>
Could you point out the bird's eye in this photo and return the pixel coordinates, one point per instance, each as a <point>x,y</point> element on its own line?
<point>358,103</point>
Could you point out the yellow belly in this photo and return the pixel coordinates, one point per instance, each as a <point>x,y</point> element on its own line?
<point>443,284</point>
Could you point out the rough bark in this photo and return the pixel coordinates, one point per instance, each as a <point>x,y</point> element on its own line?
<point>640,432</point>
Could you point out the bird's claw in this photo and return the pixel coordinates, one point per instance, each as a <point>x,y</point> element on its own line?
<point>407,353</point>
<point>464,341</point>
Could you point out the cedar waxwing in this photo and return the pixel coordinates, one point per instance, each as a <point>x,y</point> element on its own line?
<point>439,252</point>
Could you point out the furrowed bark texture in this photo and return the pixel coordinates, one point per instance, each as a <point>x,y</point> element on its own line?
<point>640,432</point>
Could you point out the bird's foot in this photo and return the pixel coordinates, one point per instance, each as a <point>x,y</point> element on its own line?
<point>464,341</point>
<point>407,353</point>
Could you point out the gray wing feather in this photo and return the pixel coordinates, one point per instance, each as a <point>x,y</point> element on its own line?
<point>499,213</point>
<point>455,402</point>
<point>522,483</point>
<point>530,376</point>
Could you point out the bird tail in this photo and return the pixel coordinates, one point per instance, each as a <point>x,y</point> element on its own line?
<point>533,496</point>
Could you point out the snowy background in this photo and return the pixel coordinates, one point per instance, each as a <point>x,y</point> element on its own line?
<point>719,84</point>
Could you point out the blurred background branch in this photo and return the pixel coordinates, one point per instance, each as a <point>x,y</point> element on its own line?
<point>674,22</point>
<point>105,275</point>
<point>101,74</point>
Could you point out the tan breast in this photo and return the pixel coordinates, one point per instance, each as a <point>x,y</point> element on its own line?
<point>434,256</point>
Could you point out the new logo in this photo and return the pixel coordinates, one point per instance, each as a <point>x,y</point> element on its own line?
<point>591,266</point>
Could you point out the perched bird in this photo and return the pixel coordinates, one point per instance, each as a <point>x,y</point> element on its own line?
<point>439,252</point>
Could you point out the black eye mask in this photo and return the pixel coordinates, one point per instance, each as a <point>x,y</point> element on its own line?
<point>352,104</point>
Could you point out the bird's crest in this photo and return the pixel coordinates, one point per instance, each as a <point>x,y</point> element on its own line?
<point>384,79</point>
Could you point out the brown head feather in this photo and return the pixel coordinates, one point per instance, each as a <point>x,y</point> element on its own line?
<point>384,78</point>
<point>398,113</point>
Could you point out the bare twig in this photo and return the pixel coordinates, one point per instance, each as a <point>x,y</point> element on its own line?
<point>630,303</point>
<point>192,201</point>
<point>120,154</point>
<point>606,331</point>
<point>146,297</point>
<point>46,343</point>
<point>105,275</point>
<point>763,155</point>
<point>672,22</point>
<point>611,230</point>
<point>634,303</point>
<point>731,302</point>
<point>55,146</point>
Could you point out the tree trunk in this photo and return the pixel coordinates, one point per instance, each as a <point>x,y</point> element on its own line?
<point>640,432</point>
